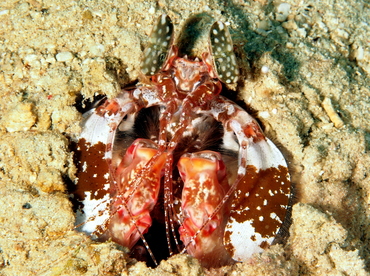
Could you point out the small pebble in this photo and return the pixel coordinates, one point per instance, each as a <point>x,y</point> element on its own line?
<point>26,206</point>
<point>265,69</point>
<point>64,56</point>
<point>151,10</point>
<point>282,12</point>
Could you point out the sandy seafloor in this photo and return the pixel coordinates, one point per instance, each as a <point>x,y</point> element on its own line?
<point>313,103</point>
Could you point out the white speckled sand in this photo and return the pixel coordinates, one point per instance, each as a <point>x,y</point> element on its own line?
<point>312,97</point>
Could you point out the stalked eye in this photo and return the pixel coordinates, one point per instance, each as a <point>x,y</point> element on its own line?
<point>223,54</point>
<point>155,54</point>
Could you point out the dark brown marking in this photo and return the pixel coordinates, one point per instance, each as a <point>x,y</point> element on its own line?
<point>264,245</point>
<point>228,245</point>
<point>91,157</point>
<point>258,185</point>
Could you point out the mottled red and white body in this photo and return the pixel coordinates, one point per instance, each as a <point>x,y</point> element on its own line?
<point>222,185</point>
